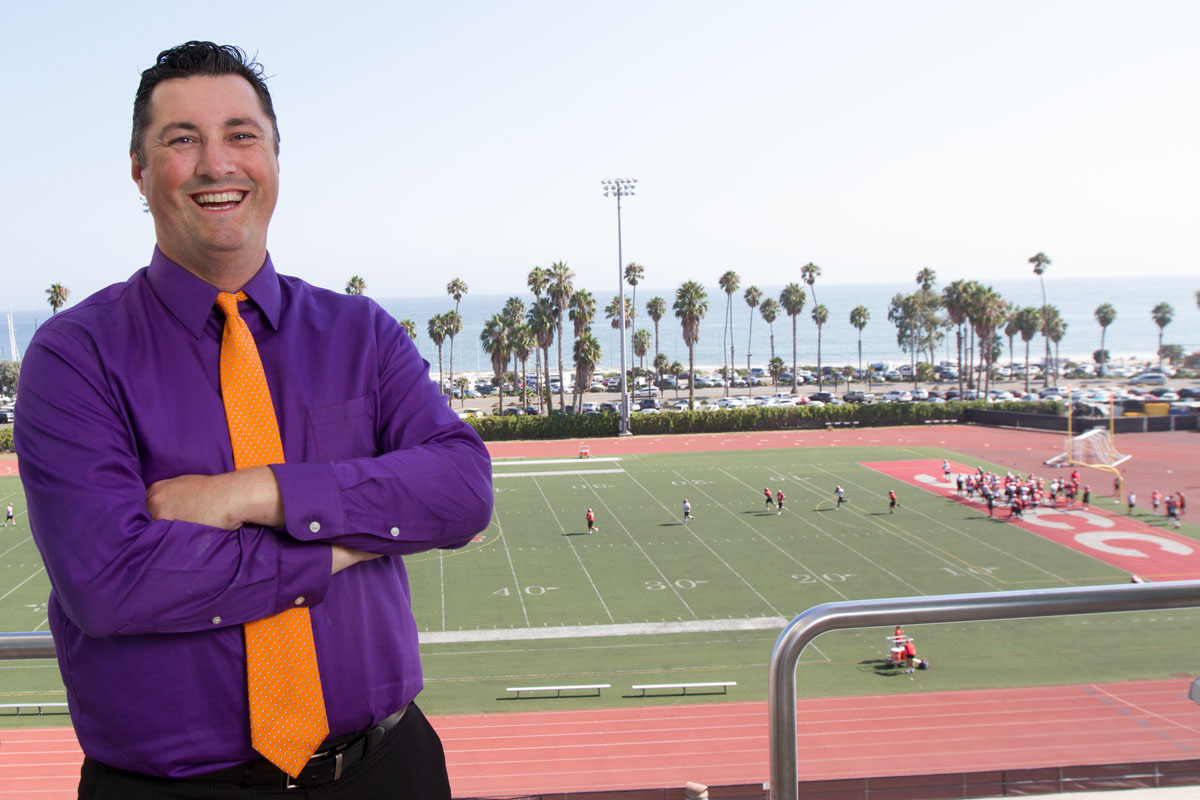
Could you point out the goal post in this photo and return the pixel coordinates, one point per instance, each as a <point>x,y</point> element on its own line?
<point>1094,449</point>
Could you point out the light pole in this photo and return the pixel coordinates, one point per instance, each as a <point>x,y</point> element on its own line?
<point>618,188</point>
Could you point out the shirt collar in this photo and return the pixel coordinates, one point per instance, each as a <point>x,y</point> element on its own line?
<point>191,299</point>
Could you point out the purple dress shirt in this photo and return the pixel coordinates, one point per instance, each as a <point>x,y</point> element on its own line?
<point>124,390</point>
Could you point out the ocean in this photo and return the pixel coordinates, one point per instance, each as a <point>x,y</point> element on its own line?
<point>1132,337</point>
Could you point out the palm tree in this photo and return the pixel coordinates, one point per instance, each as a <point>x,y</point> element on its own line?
<point>1105,315</point>
<point>809,274</point>
<point>729,282</point>
<point>452,326</point>
<point>462,383</point>
<point>541,318</point>
<point>57,297</point>
<point>661,365</point>
<point>656,308</point>
<point>1162,313</point>
<point>456,289</point>
<point>612,312</point>
<point>954,297</point>
<point>820,315</point>
<point>494,339</point>
<point>1012,326</point>
<point>1057,330</point>
<point>752,296</point>
<point>587,354</point>
<point>560,292</point>
<point>691,304</point>
<point>859,317</point>
<point>769,310</point>
<point>641,346</point>
<point>582,311</point>
<point>1029,322</point>
<point>437,335</point>
<point>989,310</point>
<point>537,280</point>
<point>1040,262</point>
<point>792,299</point>
<point>356,285</point>
<point>926,277</point>
<point>775,367</point>
<point>410,328</point>
<point>514,316</point>
<point>634,272</point>
<point>676,369</point>
<point>521,341</point>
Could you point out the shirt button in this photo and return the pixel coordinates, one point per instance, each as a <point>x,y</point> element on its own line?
<point>395,531</point>
<point>314,526</point>
<point>216,620</point>
<point>300,600</point>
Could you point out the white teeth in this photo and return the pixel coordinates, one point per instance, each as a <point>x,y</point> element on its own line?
<point>220,197</point>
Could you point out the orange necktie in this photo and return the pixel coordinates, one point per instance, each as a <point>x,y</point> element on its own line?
<point>287,709</point>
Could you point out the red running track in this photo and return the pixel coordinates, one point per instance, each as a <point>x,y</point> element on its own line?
<point>523,753</point>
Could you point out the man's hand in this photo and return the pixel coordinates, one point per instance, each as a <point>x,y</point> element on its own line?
<point>230,500</point>
<point>345,557</point>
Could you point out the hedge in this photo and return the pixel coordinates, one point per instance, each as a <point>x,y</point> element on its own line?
<point>6,440</point>
<point>578,426</point>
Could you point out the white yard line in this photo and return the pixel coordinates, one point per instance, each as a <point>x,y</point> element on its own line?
<point>496,463</point>
<point>557,472</point>
<point>838,541</point>
<point>619,629</point>
<point>513,569</point>
<point>36,572</point>
<point>574,551</point>
<point>666,581</point>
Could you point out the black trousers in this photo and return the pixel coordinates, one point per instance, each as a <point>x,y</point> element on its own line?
<point>409,764</point>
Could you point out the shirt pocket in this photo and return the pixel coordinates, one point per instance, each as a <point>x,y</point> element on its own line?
<point>344,430</point>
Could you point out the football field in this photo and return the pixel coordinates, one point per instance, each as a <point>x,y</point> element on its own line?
<point>537,600</point>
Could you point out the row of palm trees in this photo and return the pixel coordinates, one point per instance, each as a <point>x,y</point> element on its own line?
<point>976,312</point>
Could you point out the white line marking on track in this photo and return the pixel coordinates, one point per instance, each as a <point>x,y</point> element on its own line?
<point>557,472</point>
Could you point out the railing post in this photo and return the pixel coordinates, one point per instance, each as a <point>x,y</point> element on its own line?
<point>781,689</point>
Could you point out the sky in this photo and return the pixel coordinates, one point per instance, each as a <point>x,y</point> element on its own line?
<point>427,141</point>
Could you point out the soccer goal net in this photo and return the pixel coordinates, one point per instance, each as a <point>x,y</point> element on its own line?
<point>1095,449</point>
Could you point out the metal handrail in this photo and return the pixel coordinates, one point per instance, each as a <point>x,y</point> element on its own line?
<point>26,645</point>
<point>781,691</point>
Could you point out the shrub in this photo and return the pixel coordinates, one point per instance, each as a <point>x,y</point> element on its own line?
<point>6,439</point>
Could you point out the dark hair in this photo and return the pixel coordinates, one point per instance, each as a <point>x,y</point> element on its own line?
<point>196,58</point>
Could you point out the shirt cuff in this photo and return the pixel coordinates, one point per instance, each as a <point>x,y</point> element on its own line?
<point>312,508</point>
<point>304,574</point>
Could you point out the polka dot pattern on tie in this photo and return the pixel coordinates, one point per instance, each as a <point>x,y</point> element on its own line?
<point>287,708</point>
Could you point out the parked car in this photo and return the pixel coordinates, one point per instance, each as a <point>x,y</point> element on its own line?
<point>858,396</point>
<point>1149,379</point>
<point>610,407</point>
<point>646,391</point>
<point>589,408</point>
<point>898,396</point>
<point>822,397</point>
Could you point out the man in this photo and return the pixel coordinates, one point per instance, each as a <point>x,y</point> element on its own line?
<point>841,497</point>
<point>687,511</point>
<point>170,552</point>
<point>892,501</point>
<point>770,502</point>
<point>591,522</point>
<point>9,516</point>
<point>779,498</point>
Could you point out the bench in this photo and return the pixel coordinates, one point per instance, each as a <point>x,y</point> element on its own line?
<point>941,422</point>
<point>39,706</point>
<point>683,687</point>
<point>558,690</point>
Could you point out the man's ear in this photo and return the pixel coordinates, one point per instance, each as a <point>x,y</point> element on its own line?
<point>136,172</point>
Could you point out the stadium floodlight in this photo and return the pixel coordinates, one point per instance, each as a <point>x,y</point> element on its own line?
<point>618,188</point>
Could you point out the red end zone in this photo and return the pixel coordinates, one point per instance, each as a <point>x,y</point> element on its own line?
<point>1118,540</point>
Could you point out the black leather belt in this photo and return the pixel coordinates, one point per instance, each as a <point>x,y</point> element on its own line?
<point>326,766</point>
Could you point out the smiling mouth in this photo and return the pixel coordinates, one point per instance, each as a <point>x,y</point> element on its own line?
<point>218,201</point>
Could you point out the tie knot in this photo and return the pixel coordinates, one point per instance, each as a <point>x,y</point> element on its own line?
<point>228,302</point>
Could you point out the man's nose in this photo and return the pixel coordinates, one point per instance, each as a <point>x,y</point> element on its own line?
<point>216,160</point>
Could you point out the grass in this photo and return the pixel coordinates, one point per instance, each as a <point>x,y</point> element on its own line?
<point>535,600</point>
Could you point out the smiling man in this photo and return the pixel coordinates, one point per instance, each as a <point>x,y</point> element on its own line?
<point>225,467</point>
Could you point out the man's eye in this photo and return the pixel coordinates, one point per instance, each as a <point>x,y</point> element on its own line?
<point>243,137</point>
<point>181,140</point>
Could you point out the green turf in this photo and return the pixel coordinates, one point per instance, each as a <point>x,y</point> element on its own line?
<point>536,568</point>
